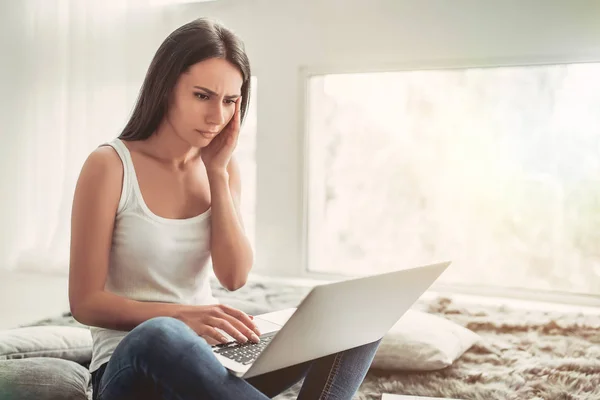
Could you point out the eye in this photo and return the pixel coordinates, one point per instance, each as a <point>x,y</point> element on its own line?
<point>201,96</point>
<point>230,101</point>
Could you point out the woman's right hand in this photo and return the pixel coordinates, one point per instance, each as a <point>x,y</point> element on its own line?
<point>205,320</point>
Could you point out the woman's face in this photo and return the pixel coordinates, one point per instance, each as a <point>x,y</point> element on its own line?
<point>203,100</point>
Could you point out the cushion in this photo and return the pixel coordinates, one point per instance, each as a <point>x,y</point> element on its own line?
<point>423,342</point>
<point>65,342</point>
<point>43,379</point>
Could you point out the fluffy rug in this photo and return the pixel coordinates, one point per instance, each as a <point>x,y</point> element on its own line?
<point>524,354</point>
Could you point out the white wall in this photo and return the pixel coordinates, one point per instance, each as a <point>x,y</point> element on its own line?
<point>284,37</point>
<point>65,67</point>
<point>287,38</point>
<point>11,62</point>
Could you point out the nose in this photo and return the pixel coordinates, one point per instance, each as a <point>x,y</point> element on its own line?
<point>215,115</point>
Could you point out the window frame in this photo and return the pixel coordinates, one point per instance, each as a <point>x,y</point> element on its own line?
<point>299,268</point>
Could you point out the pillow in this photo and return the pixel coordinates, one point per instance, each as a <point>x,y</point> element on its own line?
<point>43,379</point>
<point>423,342</point>
<point>66,342</point>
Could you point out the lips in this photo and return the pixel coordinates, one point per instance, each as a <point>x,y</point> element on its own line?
<point>207,134</point>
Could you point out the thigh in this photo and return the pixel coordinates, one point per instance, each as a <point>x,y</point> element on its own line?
<point>163,357</point>
<point>136,365</point>
<point>276,382</point>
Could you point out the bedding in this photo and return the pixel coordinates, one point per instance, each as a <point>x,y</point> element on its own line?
<point>518,354</point>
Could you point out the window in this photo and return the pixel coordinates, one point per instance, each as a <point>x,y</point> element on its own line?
<point>497,169</point>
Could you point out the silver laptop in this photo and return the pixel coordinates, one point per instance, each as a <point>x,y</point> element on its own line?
<point>331,318</point>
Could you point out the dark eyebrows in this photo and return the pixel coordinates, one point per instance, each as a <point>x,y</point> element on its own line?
<point>229,97</point>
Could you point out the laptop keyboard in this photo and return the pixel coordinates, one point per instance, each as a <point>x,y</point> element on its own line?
<point>244,353</point>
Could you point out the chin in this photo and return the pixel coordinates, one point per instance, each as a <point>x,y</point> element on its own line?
<point>203,142</point>
<point>198,141</point>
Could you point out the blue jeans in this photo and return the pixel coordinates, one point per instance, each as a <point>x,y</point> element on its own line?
<point>163,358</point>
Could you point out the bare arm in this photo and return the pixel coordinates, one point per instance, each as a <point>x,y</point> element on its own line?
<point>230,248</point>
<point>94,208</point>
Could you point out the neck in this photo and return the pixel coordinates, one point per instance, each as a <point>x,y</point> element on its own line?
<point>166,146</point>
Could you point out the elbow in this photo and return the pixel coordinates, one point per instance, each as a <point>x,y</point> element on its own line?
<point>75,312</point>
<point>232,274</point>
<point>232,286</point>
<point>233,283</point>
<point>78,312</point>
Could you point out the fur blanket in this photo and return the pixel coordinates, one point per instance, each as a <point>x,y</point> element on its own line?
<point>525,354</point>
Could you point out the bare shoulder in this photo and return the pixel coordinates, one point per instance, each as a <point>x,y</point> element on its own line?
<point>104,159</point>
<point>103,162</point>
<point>102,171</point>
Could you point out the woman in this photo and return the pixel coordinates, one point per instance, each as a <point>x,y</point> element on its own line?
<point>150,209</point>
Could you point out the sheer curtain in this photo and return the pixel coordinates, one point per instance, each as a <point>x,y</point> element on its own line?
<point>71,70</point>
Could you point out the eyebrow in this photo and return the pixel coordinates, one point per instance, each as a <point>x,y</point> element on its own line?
<point>231,96</point>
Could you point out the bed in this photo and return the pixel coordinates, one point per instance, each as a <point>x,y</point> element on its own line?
<point>523,354</point>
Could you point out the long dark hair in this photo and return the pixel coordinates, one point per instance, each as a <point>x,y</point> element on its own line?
<point>195,41</point>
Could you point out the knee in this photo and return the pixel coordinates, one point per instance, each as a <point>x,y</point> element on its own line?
<point>160,328</point>
<point>162,334</point>
<point>167,341</point>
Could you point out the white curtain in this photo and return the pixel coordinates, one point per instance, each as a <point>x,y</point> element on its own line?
<point>71,70</point>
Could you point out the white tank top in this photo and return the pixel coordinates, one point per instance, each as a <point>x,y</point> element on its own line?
<point>152,258</point>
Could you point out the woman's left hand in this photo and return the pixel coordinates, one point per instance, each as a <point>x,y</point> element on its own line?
<point>217,154</point>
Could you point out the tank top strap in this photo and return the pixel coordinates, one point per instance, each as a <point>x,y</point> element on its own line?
<point>128,171</point>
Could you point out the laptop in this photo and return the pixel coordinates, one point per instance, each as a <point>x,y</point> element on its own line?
<point>331,318</point>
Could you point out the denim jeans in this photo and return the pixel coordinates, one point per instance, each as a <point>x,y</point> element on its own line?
<point>163,358</point>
